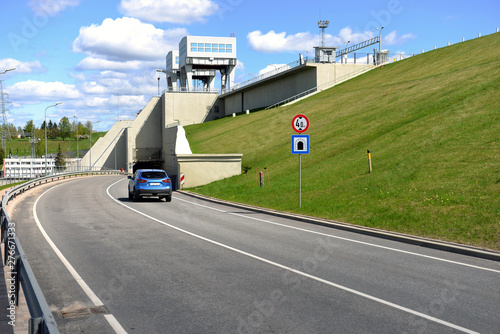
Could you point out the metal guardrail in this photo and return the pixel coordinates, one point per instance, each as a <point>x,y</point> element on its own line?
<point>41,319</point>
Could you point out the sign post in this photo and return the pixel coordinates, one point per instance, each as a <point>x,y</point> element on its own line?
<point>300,145</point>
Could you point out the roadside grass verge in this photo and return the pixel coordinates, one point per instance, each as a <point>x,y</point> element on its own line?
<point>432,123</point>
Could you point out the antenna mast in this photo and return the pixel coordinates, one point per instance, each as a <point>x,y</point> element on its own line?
<point>322,24</point>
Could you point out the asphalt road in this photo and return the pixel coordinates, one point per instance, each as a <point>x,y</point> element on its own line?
<point>191,266</point>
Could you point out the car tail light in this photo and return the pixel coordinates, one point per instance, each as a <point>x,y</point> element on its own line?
<point>166,181</point>
<point>141,181</point>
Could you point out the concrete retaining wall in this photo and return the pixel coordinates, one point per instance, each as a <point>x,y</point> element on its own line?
<point>200,169</point>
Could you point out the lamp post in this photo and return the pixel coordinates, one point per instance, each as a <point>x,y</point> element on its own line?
<point>90,151</point>
<point>379,39</point>
<point>77,152</point>
<point>58,103</point>
<point>346,43</point>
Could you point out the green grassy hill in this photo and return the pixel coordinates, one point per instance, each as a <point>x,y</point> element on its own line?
<point>19,146</point>
<point>432,123</point>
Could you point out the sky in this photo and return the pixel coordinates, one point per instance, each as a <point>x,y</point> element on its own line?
<point>99,57</point>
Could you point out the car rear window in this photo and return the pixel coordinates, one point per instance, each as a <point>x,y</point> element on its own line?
<point>153,175</point>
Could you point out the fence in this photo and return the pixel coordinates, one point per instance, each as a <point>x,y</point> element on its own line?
<point>41,319</point>
<point>320,88</point>
<point>191,90</point>
<point>17,176</point>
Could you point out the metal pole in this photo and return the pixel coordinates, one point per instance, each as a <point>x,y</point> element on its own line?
<point>46,140</point>
<point>300,180</point>
<point>90,150</point>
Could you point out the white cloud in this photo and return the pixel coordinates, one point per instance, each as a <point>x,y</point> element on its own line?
<point>22,67</point>
<point>393,38</point>
<point>37,91</point>
<point>346,34</point>
<point>280,42</point>
<point>51,7</point>
<point>98,64</point>
<point>273,42</point>
<point>126,39</point>
<point>172,11</point>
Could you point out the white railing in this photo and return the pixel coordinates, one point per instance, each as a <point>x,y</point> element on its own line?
<point>191,90</point>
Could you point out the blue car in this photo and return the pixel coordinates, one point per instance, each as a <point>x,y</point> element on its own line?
<point>150,182</point>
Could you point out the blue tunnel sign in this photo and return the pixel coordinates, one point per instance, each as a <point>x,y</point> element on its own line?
<point>300,144</point>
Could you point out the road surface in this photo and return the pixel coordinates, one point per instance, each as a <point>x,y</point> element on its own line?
<point>107,264</point>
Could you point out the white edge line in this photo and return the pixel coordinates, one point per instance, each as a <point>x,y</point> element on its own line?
<point>93,297</point>
<point>298,272</point>
<point>345,239</point>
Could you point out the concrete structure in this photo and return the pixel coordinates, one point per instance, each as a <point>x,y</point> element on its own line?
<point>286,84</point>
<point>172,70</point>
<point>201,57</point>
<point>325,54</point>
<point>156,138</point>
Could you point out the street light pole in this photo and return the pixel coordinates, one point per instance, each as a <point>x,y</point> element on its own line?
<point>90,152</point>
<point>58,103</point>
<point>346,43</point>
<point>379,38</point>
<point>77,152</point>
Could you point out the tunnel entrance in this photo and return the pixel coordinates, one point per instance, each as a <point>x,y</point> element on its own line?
<point>148,165</point>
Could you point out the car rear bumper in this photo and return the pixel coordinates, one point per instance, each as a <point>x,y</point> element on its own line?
<point>154,192</point>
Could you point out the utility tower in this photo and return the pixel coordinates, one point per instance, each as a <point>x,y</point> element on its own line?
<point>4,102</point>
<point>323,25</point>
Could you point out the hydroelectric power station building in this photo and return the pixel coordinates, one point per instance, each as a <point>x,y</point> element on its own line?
<point>156,137</point>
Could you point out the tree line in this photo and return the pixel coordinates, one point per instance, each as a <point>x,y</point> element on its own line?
<point>64,129</point>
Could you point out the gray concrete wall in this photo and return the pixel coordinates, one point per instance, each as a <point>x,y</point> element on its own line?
<point>328,73</point>
<point>103,151</point>
<point>200,169</point>
<point>186,108</point>
<point>271,90</point>
<point>287,84</point>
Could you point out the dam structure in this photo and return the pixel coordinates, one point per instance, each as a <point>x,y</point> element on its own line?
<point>156,137</point>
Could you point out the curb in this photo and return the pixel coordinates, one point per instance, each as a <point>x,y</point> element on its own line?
<point>394,236</point>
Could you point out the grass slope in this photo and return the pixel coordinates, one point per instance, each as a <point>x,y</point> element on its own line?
<point>431,123</point>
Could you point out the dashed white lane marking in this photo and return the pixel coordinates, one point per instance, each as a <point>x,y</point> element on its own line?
<point>298,272</point>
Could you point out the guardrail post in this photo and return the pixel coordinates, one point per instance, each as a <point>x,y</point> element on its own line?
<point>5,252</point>
<point>36,326</point>
<point>17,277</point>
<point>2,224</point>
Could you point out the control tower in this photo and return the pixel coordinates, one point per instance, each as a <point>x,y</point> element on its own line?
<point>200,57</point>
<point>172,69</point>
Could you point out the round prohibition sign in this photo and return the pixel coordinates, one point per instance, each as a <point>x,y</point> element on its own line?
<point>300,123</point>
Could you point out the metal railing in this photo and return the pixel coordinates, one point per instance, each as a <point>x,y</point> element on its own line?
<point>41,319</point>
<point>266,75</point>
<point>191,90</point>
<point>391,59</point>
<point>321,87</point>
